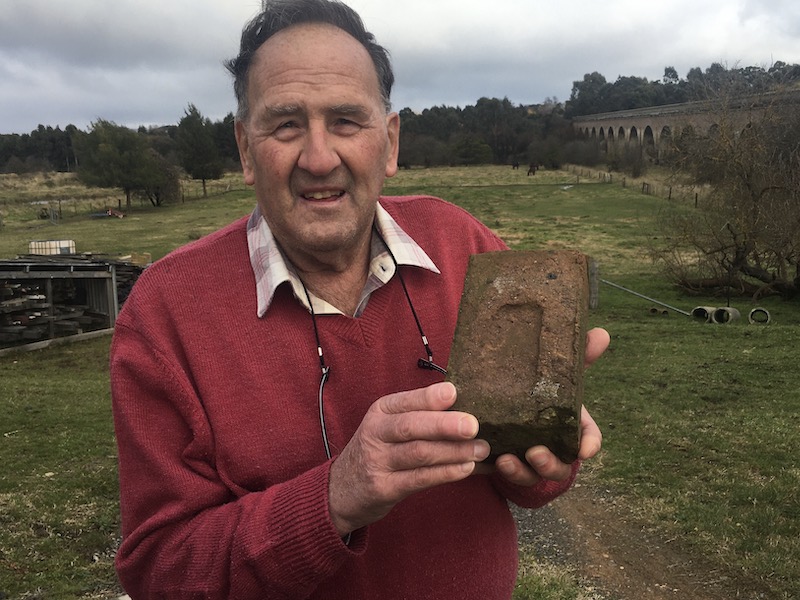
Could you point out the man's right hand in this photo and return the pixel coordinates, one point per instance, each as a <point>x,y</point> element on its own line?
<point>406,443</point>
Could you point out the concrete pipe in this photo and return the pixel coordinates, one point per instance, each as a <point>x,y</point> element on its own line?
<point>703,313</point>
<point>759,316</point>
<point>724,315</point>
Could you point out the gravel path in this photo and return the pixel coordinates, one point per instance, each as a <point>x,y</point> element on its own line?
<point>619,558</point>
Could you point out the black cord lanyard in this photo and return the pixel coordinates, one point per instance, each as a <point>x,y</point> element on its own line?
<point>326,370</point>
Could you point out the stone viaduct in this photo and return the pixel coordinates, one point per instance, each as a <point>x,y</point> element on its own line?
<point>650,128</point>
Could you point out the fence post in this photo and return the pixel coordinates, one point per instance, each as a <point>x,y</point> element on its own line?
<point>594,284</point>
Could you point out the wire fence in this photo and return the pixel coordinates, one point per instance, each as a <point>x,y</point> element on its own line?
<point>651,187</point>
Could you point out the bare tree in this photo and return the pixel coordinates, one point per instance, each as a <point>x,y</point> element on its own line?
<point>744,236</point>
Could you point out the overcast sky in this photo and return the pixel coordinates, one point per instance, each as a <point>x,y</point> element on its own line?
<point>141,62</point>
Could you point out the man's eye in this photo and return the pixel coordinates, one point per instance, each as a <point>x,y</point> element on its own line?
<point>347,125</point>
<point>286,130</point>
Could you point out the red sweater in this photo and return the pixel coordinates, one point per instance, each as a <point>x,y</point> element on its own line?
<point>223,473</point>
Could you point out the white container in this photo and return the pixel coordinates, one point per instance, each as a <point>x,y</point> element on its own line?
<point>49,247</point>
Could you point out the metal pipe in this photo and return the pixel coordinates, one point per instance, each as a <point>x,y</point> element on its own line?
<point>677,310</point>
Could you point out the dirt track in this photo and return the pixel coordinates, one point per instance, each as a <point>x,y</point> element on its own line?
<point>620,559</point>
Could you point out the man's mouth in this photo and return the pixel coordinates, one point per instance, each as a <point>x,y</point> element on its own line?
<point>324,195</point>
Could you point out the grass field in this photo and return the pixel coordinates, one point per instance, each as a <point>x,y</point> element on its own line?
<point>699,420</point>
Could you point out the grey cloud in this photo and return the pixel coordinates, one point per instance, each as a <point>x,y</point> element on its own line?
<point>142,61</point>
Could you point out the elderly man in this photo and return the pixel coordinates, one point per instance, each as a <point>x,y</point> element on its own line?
<point>281,414</point>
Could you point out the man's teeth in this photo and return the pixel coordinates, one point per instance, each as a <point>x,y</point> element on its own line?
<point>323,195</point>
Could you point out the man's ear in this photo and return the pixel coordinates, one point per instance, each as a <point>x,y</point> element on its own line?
<point>393,131</point>
<point>243,143</point>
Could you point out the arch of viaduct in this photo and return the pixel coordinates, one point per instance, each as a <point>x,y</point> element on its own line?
<point>651,127</point>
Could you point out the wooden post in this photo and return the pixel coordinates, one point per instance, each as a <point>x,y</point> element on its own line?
<point>594,284</point>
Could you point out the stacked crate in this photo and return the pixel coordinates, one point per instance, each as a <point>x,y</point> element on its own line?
<point>45,297</point>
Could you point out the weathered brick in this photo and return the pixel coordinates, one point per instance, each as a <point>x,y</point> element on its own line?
<point>518,352</point>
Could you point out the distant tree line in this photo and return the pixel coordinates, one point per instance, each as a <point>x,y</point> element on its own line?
<point>147,162</point>
<point>54,149</point>
<point>491,131</point>
<point>595,95</point>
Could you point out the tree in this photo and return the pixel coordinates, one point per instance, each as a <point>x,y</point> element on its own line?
<point>471,150</point>
<point>745,235</point>
<point>225,139</point>
<point>165,185</point>
<point>587,96</point>
<point>505,128</point>
<point>112,155</point>
<point>670,76</point>
<point>197,149</point>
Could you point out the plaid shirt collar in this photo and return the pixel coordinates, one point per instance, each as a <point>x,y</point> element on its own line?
<point>271,268</point>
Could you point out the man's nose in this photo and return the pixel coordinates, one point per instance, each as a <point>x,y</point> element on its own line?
<point>319,156</point>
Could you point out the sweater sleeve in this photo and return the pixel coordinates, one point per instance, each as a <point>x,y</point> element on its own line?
<point>187,533</point>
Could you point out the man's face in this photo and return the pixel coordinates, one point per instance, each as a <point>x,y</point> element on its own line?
<point>317,144</point>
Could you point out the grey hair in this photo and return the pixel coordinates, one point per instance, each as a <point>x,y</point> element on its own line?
<point>277,15</point>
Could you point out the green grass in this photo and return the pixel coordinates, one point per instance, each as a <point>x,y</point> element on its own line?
<point>543,581</point>
<point>700,421</point>
<point>143,229</point>
<point>701,435</point>
<point>59,519</point>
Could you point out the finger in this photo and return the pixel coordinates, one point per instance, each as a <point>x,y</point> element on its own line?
<point>421,454</point>
<point>515,471</point>
<point>427,425</point>
<point>591,436</point>
<point>422,415</point>
<point>415,480</point>
<point>546,464</point>
<point>597,340</point>
<point>439,396</point>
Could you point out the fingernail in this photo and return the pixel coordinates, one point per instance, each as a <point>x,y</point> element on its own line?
<point>481,450</point>
<point>468,426</point>
<point>447,390</point>
<point>539,459</point>
<point>506,466</point>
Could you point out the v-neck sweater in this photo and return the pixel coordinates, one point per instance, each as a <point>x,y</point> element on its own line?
<point>223,473</point>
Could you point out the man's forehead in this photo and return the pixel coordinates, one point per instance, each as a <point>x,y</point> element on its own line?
<point>314,57</point>
<point>333,108</point>
<point>294,37</point>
